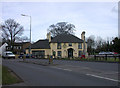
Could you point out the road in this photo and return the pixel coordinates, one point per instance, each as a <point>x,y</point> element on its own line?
<point>65,73</point>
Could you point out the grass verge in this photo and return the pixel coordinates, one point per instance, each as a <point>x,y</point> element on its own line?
<point>91,59</point>
<point>9,77</point>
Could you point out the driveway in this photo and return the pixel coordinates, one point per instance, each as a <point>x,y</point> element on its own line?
<point>65,73</point>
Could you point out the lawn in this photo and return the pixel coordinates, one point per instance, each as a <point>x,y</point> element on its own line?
<point>91,59</point>
<point>9,77</point>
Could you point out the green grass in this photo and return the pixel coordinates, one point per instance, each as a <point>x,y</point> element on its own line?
<point>90,59</point>
<point>103,59</point>
<point>109,59</point>
<point>8,78</point>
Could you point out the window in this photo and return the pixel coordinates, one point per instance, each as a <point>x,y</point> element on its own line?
<point>64,45</point>
<point>38,54</point>
<point>79,53</point>
<point>80,46</point>
<point>59,53</point>
<point>70,44</point>
<point>59,46</point>
<point>42,52</point>
<point>19,47</point>
<point>8,48</point>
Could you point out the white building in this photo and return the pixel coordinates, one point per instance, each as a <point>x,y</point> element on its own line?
<point>3,48</point>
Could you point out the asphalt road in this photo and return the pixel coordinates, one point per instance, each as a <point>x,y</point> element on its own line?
<point>65,73</point>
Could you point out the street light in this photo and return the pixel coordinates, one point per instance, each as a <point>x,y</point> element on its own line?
<point>30,31</point>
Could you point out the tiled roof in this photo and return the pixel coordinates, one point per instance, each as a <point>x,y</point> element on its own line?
<point>63,38</point>
<point>41,44</point>
<point>66,38</point>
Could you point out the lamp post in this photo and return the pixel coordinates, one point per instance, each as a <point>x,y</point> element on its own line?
<point>30,33</point>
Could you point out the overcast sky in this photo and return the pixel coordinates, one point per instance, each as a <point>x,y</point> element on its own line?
<point>95,18</point>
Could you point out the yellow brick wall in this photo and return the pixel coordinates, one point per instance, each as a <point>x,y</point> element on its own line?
<point>64,49</point>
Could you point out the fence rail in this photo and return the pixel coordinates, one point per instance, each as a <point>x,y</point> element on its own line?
<point>106,57</point>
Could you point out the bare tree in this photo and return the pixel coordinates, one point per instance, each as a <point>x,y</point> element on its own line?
<point>99,44</point>
<point>91,44</point>
<point>11,31</point>
<point>23,39</point>
<point>60,28</point>
<point>99,41</point>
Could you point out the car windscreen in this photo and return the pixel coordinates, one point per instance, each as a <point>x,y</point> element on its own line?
<point>9,53</point>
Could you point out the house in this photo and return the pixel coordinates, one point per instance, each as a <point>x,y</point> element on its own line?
<point>3,48</point>
<point>18,47</point>
<point>63,45</point>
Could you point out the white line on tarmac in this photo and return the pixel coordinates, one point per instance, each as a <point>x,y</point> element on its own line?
<point>103,77</point>
<point>62,69</point>
<point>67,69</point>
<point>55,67</point>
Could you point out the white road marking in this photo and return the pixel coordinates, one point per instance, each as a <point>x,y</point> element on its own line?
<point>62,69</point>
<point>82,67</point>
<point>67,69</point>
<point>103,77</point>
<point>56,67</point>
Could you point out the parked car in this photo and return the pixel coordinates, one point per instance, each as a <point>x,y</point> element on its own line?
<point>32,56</point>
<point>8,54</point>
<point>108,53</point>
<point>115,52</point>
<point>101,53</point>
<point>28,56</point>
<point>21,56</point>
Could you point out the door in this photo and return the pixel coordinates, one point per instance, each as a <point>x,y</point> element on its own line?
<point>70,52</point>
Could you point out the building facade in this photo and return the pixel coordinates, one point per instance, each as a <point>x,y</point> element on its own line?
<point>3,48</point>
<point>18,47</point>
<point>63,46</point>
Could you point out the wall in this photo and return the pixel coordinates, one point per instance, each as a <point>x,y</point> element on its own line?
<point>64,49</point>
<point>47,51</point>
<point>3,48</point>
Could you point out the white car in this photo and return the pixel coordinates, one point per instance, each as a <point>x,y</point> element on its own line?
<point>108,53</point>
<point>8,54</point>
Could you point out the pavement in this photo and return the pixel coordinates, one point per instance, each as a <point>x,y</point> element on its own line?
<point>64,73</point>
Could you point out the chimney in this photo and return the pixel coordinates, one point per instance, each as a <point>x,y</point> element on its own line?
<point>83,38</point>
<point>83,35</point>
<point>49,36</point>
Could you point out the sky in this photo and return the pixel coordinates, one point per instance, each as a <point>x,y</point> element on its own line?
<point>95,18</point>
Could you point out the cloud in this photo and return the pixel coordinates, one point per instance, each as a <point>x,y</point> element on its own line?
<point>91,17</point>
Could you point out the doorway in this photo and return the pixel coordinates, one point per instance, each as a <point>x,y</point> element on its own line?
<point>70,52</point>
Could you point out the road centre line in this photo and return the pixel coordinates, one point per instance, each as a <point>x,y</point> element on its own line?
<point>67,69</point>
<point>57,68</point>
<point>102,77</point>
<point>62,69</point>
<point>83,67</point>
